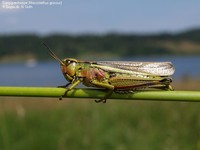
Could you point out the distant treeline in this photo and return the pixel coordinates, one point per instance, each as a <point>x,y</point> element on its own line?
<point>112,45</point>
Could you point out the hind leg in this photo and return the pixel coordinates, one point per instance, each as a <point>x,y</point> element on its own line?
<point>164,84</point>
<point>162,87</point>
<point>109,87</point>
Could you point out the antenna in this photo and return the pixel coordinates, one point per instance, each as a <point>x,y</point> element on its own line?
<point>52,54</point>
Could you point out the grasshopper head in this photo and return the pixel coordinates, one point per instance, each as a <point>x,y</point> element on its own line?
<point>68,67</point>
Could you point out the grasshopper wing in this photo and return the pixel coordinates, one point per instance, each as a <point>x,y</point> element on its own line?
<point>153,68</point>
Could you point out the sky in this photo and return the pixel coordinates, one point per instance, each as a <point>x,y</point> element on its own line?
<point>100,16</point>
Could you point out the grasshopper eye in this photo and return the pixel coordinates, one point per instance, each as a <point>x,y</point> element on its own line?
<point>67,62</point>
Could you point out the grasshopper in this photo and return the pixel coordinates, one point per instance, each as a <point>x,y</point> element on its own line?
<point>115,76</point>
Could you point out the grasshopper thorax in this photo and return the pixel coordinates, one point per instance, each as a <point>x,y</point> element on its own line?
<point>68,67</point>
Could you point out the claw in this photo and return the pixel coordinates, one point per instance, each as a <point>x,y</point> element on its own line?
<point>64,94</point>
<point>60,98</point>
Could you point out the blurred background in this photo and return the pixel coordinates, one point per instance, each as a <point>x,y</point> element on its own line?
<point>130,30</point>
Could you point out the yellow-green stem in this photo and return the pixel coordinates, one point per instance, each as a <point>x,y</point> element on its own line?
<point>99,93</point>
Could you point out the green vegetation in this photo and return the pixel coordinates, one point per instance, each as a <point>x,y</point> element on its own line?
<point>75,124</point>
<point>93,46</point>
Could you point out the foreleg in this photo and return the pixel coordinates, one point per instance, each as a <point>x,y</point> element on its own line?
<point>74,84</point>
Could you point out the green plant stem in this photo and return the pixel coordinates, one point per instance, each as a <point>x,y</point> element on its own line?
<point>99,93</point>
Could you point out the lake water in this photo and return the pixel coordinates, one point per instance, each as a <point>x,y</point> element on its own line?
<point>49,74</point>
